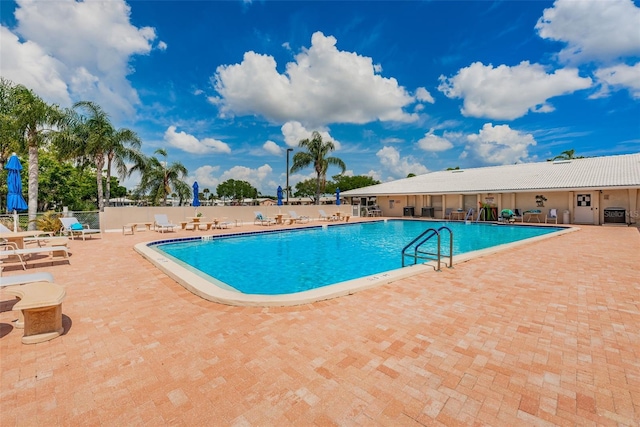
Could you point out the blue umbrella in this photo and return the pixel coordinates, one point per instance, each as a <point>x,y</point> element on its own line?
<point>15,201</point>
<point>279,196</point>
<point>338,196</point>
<point>196,201</point>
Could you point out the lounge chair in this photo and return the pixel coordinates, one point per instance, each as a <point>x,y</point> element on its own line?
<point>551,216</point>
<point>262,220</point>
<point>506,215</point>
<point>326,217</point>
<point>293,216</point>
<point>447,213</point>
<point>22,279</point>
<point>11,249</point>
<point>162,223</point>
<point>72,227</point>
<point>517,215</point>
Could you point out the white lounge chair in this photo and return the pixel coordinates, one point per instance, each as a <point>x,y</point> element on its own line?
<point>11,249</point>
<point>162,223</point>
<point>293,216</point>
<point>262,220</point>
<point>72,227</point>
<point>326,217</point>
<point>552,216</point>
<point>22,279</point>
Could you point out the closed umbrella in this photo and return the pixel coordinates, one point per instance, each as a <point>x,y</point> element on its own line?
<point>15,201</point>
<point>196,200</point>
<point>279,196</point>
<point>338,196</point>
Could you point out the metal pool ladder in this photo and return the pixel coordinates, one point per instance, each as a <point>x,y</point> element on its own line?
<point>413,250</point>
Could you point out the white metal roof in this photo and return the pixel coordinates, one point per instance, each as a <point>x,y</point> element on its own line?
<point>621,171</point>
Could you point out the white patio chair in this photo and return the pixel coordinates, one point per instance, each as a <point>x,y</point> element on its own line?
<point>72,227</point>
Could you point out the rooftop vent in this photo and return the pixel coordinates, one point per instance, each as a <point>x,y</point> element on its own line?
<point>457,171</point>
<point>559,162</point>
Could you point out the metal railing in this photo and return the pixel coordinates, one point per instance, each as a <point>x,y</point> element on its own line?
<point>421,254</point>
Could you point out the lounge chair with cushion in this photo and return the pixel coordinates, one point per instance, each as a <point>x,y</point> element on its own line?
<point>506,215</point>
<point>72,227</point>
<point>551,216</point>
<point>297,218</point>
<point>162,223</point>
<point>326,217</point>
<point>262,220</point>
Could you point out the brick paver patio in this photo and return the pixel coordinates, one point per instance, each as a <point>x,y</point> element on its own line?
<point>547,334</point>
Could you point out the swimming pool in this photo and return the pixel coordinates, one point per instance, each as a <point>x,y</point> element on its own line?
<point>286,261</point>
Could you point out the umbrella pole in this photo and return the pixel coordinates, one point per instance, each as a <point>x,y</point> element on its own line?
<point>15,221</point>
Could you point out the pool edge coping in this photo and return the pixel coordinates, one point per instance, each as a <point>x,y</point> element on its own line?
<point>207,290</point>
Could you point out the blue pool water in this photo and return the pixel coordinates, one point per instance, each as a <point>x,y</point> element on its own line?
<point>292,261</point>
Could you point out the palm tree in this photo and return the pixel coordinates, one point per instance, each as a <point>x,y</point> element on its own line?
<point>158,177</point>
<point>566,155</point>
<point>35,120</point>
<point>315,155</point>
<point>124,145</point>
<point>90,140</point>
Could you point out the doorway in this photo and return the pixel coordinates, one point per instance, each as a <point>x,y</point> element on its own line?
<point>584,209</point>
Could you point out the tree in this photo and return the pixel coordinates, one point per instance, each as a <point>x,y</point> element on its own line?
<point>453,169</point>
<point>9,131</point>
<point>566,155</point>
<point>316,155</point>
<point>345,183</point>
<point>62,184</point>
<point>124,145</point>
<point>35,120</point>
<point>89,139</point>
<point>236,190</point>
<point>94,138</point>
<point>411,175</point>
<point>306,188</point>
<point>158,177</point>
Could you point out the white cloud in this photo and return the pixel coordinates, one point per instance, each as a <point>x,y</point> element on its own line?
<point>592,30</point>
<point>432,142</point>
<point>391,140</point>
<point>206,179</point>
<point>28,64</point>
<point>323,85</point>
<point>294,132</point>
<point>161,45</point>
<point>619,76</point>
<point>260,178</point>
<point>191,144</point>
<point>86,46</point>
<point>375,175</point>
<point>272,148</point>
<point>499,145</point>
<point>509,92</point>
<point>423,95</point>
<point>399,167</point>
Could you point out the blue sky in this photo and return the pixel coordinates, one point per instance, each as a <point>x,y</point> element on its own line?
<point>400,87</point>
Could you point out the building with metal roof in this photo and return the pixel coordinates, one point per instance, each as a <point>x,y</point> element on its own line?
<point>594,190</point>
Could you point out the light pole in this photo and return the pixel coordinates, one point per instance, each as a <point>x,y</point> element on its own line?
<point>288,151</point>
